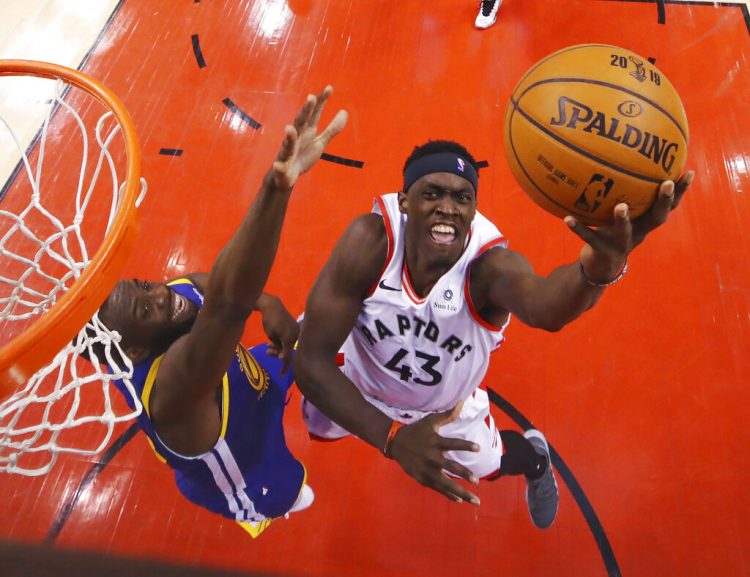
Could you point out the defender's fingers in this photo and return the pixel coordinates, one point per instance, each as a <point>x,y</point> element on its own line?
<point>321,100</point>
<point>287,358</point>
<point>273,349</point>
<point>334,127</point>
<point>286,354</point>
<point>288,144</point>
<point>303,116</point>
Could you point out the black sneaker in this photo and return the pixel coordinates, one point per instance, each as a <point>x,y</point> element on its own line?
<point>541,494</point>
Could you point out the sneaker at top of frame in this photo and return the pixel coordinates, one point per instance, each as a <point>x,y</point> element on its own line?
<point>487,13</point>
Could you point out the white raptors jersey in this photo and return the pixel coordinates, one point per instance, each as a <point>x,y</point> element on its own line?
<point>421,354</point>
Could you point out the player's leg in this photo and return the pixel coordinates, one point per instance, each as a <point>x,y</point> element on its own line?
<point>475,424</point>
<point>541,489</point>
<point>506,453</point>
<point>520,457</point>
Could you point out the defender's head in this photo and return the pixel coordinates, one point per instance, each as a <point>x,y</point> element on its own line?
<point>439,198</point>
<point>148,315</point>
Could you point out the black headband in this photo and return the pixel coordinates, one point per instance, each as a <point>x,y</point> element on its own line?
<point>439,162</point>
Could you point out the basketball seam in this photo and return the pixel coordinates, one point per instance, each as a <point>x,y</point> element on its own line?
<point>555,54</point>
<point>615,87</point>
<point>528,176</point>
<point>580,151</point>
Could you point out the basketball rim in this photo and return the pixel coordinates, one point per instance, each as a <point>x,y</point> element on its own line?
<point>46,336</point>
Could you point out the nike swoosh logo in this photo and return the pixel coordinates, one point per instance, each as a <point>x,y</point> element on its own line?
<point>386,287</point>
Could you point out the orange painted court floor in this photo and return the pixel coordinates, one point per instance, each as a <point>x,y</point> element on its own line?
<point>643,400</point>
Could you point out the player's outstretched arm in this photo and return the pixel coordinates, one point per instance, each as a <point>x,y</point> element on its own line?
<point>330,315</point>
<point>503,280</point>
<point>195,363</point>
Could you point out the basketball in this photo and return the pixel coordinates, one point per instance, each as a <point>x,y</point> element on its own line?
<point>591,126</point>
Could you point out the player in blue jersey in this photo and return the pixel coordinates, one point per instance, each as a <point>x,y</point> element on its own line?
<point>212,409</point>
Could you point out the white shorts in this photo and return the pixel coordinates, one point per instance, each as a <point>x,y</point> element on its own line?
<point>474,424</point>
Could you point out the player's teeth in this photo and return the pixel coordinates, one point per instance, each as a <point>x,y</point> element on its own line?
<point>443,228</point>
<point>178,307</point>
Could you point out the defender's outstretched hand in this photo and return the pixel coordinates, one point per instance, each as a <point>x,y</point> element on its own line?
<point>302,145</point>
<point>607,247</point>
<point>418,449</point>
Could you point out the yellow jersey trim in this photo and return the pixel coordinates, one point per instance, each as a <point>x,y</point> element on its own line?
<point>255,528</point>
<point>224,405</point>
<point>146,397</point>
<point>149,384</point>
<point>180,281</point>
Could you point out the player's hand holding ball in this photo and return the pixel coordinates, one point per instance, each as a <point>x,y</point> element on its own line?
<point>598,135</point>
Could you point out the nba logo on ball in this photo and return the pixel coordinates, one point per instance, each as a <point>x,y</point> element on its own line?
<point>591,126</point>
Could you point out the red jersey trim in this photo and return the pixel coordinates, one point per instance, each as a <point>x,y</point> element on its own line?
<point>408,288</point>
<point>467,293</point>
<point>406,280</point>
<point>389,234</point>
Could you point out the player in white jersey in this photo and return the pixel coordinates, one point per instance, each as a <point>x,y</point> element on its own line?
<point>418,294</point>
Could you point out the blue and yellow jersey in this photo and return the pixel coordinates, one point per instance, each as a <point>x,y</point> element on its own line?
<point>249,474</point>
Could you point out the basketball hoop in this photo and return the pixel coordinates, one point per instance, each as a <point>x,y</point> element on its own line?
<point>50,286</point>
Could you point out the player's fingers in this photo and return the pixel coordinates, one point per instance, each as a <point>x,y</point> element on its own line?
<point>445,417</point>
<point>585,233</point>
<point>623,229</point>
<point>452,444</point>
<point>273,349</point>
<point>460,471</point>
<point>681,186</point>
<point>286,354</point>
<point>334,127</point>
<point>320,103</point>
<point>286,357</point>
<point>663,205</point>
<point>454,490</point>
<point>288,144</point>
<point>303,116</point>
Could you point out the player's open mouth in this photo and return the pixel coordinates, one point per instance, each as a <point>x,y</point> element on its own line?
<point>180,308</point>
<point>443,233</point>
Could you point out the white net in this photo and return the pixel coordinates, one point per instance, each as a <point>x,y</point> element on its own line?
<point>55,210</point>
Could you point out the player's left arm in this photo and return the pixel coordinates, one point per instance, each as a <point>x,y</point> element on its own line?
<point>503,280</point>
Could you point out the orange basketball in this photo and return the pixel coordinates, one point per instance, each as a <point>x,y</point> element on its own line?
<point>591,126</point>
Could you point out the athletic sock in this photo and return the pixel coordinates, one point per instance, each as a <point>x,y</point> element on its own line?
<point>520,457</point>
